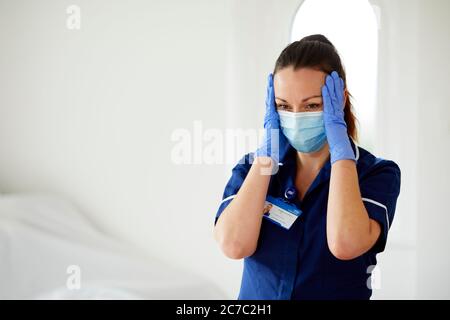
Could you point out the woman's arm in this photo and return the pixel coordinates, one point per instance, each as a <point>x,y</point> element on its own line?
<point>350,231</point>
<point>237,229</point>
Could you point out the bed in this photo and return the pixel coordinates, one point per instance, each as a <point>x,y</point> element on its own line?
<point>50,250</point>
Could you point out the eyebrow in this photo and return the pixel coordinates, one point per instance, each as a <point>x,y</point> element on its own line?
<point>306,99</point>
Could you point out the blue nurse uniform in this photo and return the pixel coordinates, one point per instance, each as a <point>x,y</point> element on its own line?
<point>296,263</point>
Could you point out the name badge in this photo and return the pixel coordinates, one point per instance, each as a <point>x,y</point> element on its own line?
<point>281,212</point>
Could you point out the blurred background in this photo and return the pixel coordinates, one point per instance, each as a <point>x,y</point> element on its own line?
<point>95,95</point>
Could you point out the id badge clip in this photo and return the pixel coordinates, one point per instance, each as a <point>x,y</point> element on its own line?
<point>281,212</point>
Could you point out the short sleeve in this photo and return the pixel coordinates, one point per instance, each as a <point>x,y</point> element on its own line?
<point>379,191</point>
<point>238,174</point>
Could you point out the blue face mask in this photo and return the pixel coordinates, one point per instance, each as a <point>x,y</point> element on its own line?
<point>305,131</point>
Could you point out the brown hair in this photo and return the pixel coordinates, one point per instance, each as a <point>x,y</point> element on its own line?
<point>317,52</point>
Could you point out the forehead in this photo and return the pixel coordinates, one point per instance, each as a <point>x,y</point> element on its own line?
<point>296,85</point>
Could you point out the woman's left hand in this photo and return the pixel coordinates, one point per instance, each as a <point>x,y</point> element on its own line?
<point>333,116</point>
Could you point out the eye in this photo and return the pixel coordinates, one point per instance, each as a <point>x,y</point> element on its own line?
<point>283,107</point>
<point>312,106</point>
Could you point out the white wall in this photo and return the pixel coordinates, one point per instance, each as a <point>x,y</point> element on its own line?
<point>413,129</point>
<point>433,129</point>
<point>89,114</point>
<point>397,139</point>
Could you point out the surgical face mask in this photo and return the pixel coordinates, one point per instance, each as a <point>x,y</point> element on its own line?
<point>305,131</point>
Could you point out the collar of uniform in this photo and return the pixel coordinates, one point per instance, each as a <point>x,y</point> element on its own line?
<point>287,169</point>
<point>355,149</point>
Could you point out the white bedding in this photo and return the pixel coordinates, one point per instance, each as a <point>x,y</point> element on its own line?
<point>41,236</point>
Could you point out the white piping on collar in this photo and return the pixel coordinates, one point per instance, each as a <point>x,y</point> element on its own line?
<point>356,149</point>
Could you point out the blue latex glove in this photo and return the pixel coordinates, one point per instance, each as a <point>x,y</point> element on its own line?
<point>270,147</point>
<point>333,117</point>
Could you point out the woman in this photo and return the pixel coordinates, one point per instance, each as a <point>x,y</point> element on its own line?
<point>338,199</point>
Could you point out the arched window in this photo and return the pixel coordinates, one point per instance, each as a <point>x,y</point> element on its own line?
<point>351,25</point>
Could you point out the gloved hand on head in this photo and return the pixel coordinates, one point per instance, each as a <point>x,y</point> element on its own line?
<point>274,144</point>
<point>333,116</point>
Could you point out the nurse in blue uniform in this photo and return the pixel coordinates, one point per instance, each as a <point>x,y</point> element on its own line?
<point>309,210</point>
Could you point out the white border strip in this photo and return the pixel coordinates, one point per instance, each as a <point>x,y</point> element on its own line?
<point>381,205</point>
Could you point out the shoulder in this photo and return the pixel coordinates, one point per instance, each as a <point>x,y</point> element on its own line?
<point>370,165</point>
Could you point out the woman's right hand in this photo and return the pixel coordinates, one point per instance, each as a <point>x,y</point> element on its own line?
<point>238,227</point>
<point>274,144</point>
